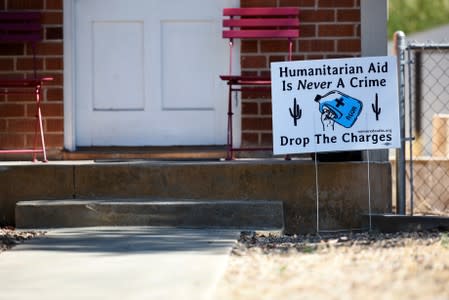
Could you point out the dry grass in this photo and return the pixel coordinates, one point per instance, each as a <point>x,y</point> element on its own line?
<point>367,266</point>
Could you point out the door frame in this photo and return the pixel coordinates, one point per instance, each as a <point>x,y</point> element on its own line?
<point>69,75</point>
<point>369,40</point>
<point>70,80</point>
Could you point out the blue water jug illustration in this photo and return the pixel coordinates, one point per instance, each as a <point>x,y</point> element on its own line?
<point>342,108</point>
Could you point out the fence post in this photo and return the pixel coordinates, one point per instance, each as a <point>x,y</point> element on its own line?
<point>400,46</point>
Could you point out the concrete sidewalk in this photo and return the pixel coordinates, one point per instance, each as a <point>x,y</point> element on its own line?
<point>117,263</point>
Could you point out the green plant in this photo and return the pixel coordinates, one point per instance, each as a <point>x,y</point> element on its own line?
<point>445,240</point>
<point>309,249</point>
<point>416,15</point>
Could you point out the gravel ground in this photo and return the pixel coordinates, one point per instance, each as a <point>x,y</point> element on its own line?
<point>10,237</point>
<point>338,266</point>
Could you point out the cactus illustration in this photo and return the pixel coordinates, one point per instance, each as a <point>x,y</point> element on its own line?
<point>376,108</point>
<point>296,112</point>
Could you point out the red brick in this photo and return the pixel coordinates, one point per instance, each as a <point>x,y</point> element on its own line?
<point>53,33</point>
<point>250,138</point>
<point>257,3</point>
<point>265,108</point>
<point>11,110</point>
<point>54,125</point>
<point>48,110</point>
<point>22,97</point>
<point>336,3</point>
<point>299,3</point>
<point>52,18</point>
<point>12,49</point>
<point>2,125</point>
<point>317,45</point>
<point>27,64</point>
<point>50,48</point>
<point>250,73</point>
<point>258,61</point>
<point>308,30</point>
<point>260,92</point>
<point>52,140</point>
<point>298,57</point>
<point>276,58</point>
<point>348,45</point>
<point>249,46</point>
<point>314,16</point>
<point>348,15</point>
<point>6,64</point>
<point>2,4</point>
<point>339,55</point>
<point>267,139</point>
<point>315,56</point>
<point>274,46</point>
<point>29,140</point>
<point>25,4</point>
<point>12,141</point>
<point>53,4</point>
<point>333,30</point>
<point>11,75</point>
<point>54,94</point>
<point>256,123</point>
<point>52,63</point>
<point>250,108</point>
<point>21,125</point>
<point>266,73</point>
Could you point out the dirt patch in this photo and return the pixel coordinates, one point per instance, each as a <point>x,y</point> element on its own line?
<point>338,266</point>
<point>10,237</point>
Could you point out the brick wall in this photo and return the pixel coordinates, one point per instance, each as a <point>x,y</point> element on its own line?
<point>328,29</point>
<point>17,112</point>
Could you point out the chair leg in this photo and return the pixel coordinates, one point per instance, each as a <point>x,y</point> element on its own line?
<point>39,126</point>
<point>229,146</point>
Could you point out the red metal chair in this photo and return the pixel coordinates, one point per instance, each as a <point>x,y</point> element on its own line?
<point>25,27</point>
<point>255,23</point>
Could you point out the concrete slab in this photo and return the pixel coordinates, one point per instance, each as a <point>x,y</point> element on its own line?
<point>24,181</point>
<point>117,263</point>
<point>396,223</point>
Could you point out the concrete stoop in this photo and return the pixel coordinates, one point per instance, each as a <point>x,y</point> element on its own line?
<point>241,193</point>
<point>260,215</point>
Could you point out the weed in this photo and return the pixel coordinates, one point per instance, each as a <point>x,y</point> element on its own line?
<point>445,240</point>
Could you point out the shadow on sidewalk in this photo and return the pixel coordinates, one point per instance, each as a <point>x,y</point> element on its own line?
<point>133,240</point>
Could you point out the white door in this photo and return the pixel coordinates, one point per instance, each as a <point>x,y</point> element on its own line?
<point>147,72</point>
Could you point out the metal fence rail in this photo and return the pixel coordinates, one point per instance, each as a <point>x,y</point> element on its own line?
<point>424,176</point>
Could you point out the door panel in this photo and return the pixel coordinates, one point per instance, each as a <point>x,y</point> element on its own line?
<point>147,72</point>
<point>109,67</point>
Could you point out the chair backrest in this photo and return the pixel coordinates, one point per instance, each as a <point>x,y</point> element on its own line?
<point>261,23</point>
<point>20,27</point>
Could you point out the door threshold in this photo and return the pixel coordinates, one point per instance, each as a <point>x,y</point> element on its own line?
<point>147,152</point>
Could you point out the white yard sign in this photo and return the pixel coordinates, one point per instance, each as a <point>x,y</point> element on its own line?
<point>335,105</point>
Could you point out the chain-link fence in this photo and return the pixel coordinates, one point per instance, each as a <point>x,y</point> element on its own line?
<point>426,95</point>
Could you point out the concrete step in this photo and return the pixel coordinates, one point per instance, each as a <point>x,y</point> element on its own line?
<point>243,214</point>
<point>343,190</point>
<point>395,223</point>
